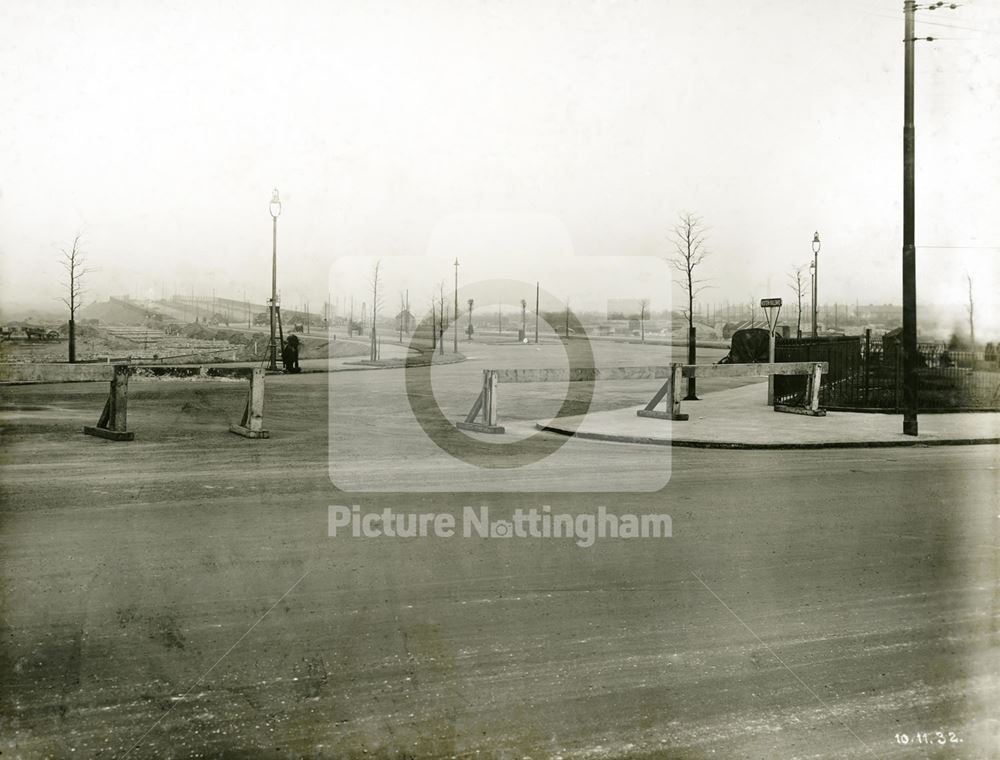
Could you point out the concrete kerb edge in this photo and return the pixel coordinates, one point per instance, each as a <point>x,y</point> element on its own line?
<point>737,445</point>
<point>364,365</point>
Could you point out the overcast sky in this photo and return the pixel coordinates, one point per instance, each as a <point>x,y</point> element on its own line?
<point>158,130</point>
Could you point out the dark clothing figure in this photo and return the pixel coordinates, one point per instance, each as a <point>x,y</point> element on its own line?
<point>290,354</point>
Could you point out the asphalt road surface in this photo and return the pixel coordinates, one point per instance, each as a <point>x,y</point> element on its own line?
<point>179,596</point>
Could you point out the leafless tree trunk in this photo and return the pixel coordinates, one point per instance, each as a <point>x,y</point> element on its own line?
<point>798,287</point>
<point>73,263</point>
<point>690,252</point>
<point>375,306</point>
<point>433,324</point>
<point>442,325</point>
<point>689,246</point>
<point>643,309</point>
<point>402,315</point>
<point>970,307</point>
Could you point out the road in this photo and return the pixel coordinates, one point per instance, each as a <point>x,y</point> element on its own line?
<point>179,596</point>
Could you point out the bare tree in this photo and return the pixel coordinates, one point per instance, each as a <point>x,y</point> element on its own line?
<point>689,245</point>
<point>643,311</point>
<point>74,264</point>
<point>376,303</point>
<point>442,324</point>
<point>433,322</point>
<point>524,312</point>
<point>402,315</point>
<point>796,283</point>
<point>970,307</point>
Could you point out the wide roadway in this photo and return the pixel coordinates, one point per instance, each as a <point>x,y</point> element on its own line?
<point>179,595</point>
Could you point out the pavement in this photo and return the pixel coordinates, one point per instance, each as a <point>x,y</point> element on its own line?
<point>739,418</point>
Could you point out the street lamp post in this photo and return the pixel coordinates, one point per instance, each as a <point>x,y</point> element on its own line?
<point>812,298</point>
<point>275,208</point>
<point>814,269</point>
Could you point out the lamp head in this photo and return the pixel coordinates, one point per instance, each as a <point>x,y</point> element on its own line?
<point>816,242</point>
<point>275,204</point>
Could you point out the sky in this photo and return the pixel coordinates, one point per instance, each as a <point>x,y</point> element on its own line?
<point>518,137</point>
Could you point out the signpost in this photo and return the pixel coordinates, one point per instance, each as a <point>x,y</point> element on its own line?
<point>772,308</point>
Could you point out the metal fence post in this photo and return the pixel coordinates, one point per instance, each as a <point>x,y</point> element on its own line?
<point>867,364</point>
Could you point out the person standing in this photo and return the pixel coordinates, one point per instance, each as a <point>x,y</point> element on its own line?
<point>290,354</point>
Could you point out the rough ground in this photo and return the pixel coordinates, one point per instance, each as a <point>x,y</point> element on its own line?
<point>178,596</point>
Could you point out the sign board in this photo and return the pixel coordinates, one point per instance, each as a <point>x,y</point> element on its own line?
<point>772,308</point>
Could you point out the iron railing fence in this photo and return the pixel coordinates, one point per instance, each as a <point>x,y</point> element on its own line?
<point>866,373</point>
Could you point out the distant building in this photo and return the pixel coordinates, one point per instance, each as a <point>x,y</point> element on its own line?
<point>407,320</point>
<point>625,309</point>
<point>615,327</point>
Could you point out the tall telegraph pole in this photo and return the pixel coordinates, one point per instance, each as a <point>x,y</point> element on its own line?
<point>909,248</point>
<point>455,331</point>
<point>275,209</point>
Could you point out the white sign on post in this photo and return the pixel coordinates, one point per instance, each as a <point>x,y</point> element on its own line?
<point>772,308</point>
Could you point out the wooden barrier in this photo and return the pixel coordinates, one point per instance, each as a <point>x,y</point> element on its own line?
<point>113,423</point>
<point>671,390</point>
<point>581,374</point>
<point>486,403</point>
<point>252,423</point>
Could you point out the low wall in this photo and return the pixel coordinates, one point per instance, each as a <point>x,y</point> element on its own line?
<point>87,373</point>
<point>55,373</point>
